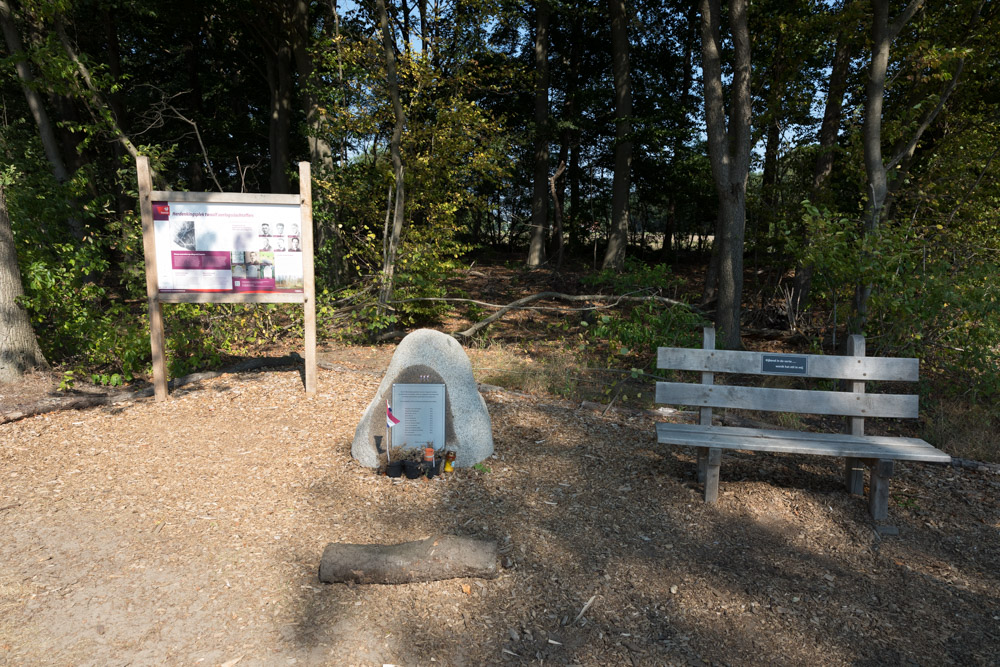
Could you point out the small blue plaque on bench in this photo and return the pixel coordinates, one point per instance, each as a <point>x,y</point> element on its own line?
<point>784,364</point>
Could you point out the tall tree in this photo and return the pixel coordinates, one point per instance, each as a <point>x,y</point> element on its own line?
<point>540,189</point>
<point>19,350</point>
<point>621,189</point>
<point>882,35</point>
<point>389,268</point>
<point>320,153</point>
<point>729,153</point>
<point>876,169</point>
<point>45,128</point>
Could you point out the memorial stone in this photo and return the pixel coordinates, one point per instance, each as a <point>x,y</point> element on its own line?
<point>431,357</point>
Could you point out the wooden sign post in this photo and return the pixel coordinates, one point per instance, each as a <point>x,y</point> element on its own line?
<point>226,247</point>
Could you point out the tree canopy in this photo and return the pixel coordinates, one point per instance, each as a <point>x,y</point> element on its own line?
<point>553,131</point>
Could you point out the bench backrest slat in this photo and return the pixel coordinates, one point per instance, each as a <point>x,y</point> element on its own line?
<point>801,365</point>
<point>788,400</point>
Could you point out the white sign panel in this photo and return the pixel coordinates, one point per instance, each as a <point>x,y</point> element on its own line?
<point>420,409</point>
<point>227,247</point>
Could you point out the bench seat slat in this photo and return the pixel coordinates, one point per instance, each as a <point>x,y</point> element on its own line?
<point>802,401</point>
<point>795,442</point>
<point>890,369</point>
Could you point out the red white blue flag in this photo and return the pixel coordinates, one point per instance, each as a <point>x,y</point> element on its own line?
<point>390,419</point>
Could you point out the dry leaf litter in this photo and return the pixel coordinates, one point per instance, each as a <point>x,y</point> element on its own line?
<point>190,532</point>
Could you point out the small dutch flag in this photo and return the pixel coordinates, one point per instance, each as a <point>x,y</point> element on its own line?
<point>390,419</point>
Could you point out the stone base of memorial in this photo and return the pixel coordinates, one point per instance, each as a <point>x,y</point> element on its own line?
<point>431,358</point>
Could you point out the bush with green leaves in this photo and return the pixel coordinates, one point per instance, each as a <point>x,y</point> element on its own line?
<point>928,301</point>
<point>647,325</point>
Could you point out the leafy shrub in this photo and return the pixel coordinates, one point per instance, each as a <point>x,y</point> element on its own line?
<point>648,325</point>
<point>928,300</point>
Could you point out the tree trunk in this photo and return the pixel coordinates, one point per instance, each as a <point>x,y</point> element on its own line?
<point>690,43</point>
<point>729,154</point>
<point>405,11</point>
<point>556,190</point>
<point>45,128</point>
<point>571,215</point>
<point>431,559</point>
<point>389,269</point>
<point>19,350</point>
<point>320,154</point>
<point>621,188</point>
<point>539,195</point>
<point>425,44</point>
<point>769,175</point>
<point>882,35</point>
<point>279,70</point>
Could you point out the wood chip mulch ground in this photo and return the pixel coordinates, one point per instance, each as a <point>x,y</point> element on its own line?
<point>190,532</point>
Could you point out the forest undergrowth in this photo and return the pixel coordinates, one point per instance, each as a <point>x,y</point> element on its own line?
<point>601,351</point>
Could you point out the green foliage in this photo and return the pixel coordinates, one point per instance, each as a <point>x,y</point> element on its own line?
<point>928,302</point>
<point>637,275</point>
<point>451,148</point>
<point>79,320</point>
<point>104,379</point>
<point>68,381</point>
<point>647,325</point>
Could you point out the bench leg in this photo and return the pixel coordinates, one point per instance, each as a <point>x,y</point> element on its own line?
<point>702,463</point>
<point>878,489</point>
<point>713,461</point>
<point>854,476</point>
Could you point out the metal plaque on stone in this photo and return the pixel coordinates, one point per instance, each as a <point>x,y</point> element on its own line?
<point>420,409</point>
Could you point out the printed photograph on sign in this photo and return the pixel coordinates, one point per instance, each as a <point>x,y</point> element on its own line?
<point>227,247</point>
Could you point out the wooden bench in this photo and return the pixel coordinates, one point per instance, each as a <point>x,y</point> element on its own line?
<point>877,452</point>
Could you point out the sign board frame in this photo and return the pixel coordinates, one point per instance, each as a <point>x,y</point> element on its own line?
<point>410,402</point>
<point>156,298</point>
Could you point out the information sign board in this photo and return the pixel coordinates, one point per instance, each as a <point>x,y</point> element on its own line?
<point>228,247</point>
<point>420,409</point>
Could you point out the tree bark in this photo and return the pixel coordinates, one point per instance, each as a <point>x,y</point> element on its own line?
<point>273,35</point>
<point>555,189</point>
<point>320,153</point>
<point>425,44</point>
<point>388,270</point>
<point>875,170</point>
<point>19,350</point>
<point>621,188</point>
<point>46,130</point>
<point>830,128</point>
<point>539,195</point>
<point>690,43</point>
<point>729,154</point>
<point>432,559</point>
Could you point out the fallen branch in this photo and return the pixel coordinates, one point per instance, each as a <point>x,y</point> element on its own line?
<point>585,608</point>
<point>432,559</point>
<point>79,402</point>
<point>522,304</point>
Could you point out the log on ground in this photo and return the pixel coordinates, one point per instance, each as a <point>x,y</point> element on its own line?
<point>432,559</point>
